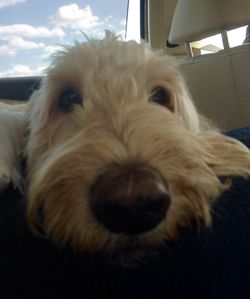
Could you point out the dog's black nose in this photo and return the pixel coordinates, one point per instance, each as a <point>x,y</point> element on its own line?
<point>130,201</point>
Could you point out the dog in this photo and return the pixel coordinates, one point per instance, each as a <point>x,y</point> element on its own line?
<point>117,155</point>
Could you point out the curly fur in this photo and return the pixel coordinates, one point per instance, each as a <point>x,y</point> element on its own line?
<point>118,123</point>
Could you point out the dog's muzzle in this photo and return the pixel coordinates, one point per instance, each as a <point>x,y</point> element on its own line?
<point>129,200</point>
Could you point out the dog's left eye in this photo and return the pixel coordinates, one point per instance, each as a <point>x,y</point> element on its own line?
<point>161,97</point>
<point>68,99</point>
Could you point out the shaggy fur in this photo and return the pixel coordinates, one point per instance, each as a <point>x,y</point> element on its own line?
<point>11,136</point>
<point>116,124</point>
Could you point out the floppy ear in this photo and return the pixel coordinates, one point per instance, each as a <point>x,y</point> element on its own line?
<point>226,156</point>
<point>12,138</point>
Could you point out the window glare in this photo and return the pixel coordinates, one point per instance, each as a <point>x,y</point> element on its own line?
<point>236,36</point>
<point>209,44</point>
<point>133,21</point>
<point>213,44</point>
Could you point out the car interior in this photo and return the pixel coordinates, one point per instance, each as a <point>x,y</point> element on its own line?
<point>216,80</point>
<point>214,264</point>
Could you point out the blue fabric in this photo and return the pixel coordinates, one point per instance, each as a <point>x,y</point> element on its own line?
<point>210,264</point>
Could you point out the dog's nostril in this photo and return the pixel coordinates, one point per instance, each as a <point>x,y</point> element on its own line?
<point>130,203</point>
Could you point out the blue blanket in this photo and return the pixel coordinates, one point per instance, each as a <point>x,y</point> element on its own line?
<point>210,264</point>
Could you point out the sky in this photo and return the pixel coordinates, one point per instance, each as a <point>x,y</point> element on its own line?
<point>31,30</point>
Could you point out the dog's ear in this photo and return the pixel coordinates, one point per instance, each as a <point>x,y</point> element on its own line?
<point>226,156</point>
<point>12,143</point>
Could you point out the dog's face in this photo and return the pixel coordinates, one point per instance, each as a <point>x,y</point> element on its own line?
<point>115,154</point>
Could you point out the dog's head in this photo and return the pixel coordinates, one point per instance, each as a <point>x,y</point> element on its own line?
<point>116,155</point>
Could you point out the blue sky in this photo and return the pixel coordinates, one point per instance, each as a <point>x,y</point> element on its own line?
<point>30,30</point>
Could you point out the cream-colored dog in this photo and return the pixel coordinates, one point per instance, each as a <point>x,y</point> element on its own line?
<point>117,154</point>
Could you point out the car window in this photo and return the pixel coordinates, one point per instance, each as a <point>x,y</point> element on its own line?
<point>32,30</point>
<point>214,43</point>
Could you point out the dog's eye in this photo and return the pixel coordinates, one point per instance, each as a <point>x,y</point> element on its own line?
<point>68,99</point>
<point>161,97</point>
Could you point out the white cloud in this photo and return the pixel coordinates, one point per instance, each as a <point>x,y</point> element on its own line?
<point>16,44</point>
<point>76,18</point>
<point>123,22</point>
<point>50,50</point>
<point>4,3</point>
<point>25,30</point>
<point>22,70</point>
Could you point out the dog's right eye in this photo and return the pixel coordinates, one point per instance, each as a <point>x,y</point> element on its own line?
<point>162,97</point>
<point>68,99</point>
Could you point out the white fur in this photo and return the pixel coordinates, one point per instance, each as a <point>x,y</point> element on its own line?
<point>11,136</point>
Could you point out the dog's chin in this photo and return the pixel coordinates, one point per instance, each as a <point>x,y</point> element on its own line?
<point>130,251</point>
<point>130,256</point>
